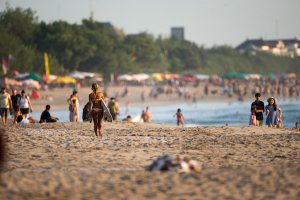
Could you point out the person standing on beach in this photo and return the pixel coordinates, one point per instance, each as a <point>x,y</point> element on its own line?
<point>96,108</point>
<point>14,100</point>
<point>5,105</point>
<point>113,107</point>
<point>74,107</point>
<point>147,115</point>
<point>258,107</point>
<point>180,118</point>
<point>25,104</point>
<point>274,114</point>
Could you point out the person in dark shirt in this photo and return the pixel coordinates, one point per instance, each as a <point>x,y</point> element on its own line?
<point>14,100</point>
<point>46,117</point>
<point>258,107</point>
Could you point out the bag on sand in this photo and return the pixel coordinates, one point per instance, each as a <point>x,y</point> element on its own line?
<point>252,121</point>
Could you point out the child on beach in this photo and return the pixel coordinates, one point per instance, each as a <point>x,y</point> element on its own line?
<point>180,118</point>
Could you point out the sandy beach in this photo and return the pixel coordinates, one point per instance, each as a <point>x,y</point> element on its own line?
<point>66,161</point>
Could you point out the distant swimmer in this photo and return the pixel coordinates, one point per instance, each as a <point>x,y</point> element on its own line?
<point>180,118</point>
<point>96,108</point>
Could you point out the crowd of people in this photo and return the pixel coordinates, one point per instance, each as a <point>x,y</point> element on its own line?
<point>19,105</point>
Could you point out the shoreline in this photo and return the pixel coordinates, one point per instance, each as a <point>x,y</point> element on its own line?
<point>59,98</point>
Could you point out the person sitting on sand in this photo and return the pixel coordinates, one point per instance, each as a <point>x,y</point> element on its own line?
<point>180,118</point>
<point>46,117</point>
<point>18,117</point>
<point>96,108</point>
<point>20,120</point>
<point>127,119</point>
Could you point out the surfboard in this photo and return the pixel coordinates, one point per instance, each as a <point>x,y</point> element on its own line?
<point>137,119</point>
<point>106,112</point>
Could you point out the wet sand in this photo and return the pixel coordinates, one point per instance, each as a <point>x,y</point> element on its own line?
<point>66,161</point>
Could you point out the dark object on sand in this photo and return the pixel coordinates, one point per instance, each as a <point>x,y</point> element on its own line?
<point>168,163</point>
<point>162,163</point>
<point>86,113</point>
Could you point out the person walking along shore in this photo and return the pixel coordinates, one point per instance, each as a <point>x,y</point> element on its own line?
<point>96,108</point>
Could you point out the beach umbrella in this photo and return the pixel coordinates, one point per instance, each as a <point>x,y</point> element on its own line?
<point>64,80</point>
<point>81,75</point>
<point>291,75</point>
<point>171,76</point>
<point>33,76</point>
<point>202,77</point>
<point>140,77</point>
<point>188,78</point>
<point>50,77</point>
<point>157,77</point>
<point>254,76</point>
<point>235,75</point>
<point>124,77</point>
<point>29,83</point>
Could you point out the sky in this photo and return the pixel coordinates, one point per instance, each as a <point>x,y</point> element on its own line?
<point>206,22</point>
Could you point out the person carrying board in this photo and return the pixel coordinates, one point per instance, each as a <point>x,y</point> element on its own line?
<point>96,108</point>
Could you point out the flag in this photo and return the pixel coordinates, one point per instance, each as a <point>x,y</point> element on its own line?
<point>4,66</point>
<point>47,69</point>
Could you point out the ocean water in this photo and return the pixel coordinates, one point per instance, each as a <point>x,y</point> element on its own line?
<point>203,114</point>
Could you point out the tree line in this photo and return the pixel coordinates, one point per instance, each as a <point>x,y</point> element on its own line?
<point>99,47</point>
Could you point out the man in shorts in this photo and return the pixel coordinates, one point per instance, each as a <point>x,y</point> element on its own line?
<point>5,105</point>
<point>258,107</point>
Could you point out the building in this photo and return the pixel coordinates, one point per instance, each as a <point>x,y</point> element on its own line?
<point>177,33</point>
<point>284,47</point>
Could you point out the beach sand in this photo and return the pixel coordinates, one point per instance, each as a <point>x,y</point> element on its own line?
<point>66,161</point>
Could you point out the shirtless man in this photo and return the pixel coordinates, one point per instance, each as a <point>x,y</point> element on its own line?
<point>96,108</point>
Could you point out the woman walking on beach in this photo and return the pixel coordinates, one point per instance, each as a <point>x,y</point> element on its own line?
<point>96,108</point>
<point>74,107</point>
<point>273,113</point>
<point>180,118</point>
<point>24,104</point>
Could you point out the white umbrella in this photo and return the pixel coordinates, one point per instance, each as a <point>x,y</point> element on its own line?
<point>202,77</point>
<point>81,75</point>
<point>31,84</point>
<point>140,77</point>
<point>77,75</point>
<point>124,77</point>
